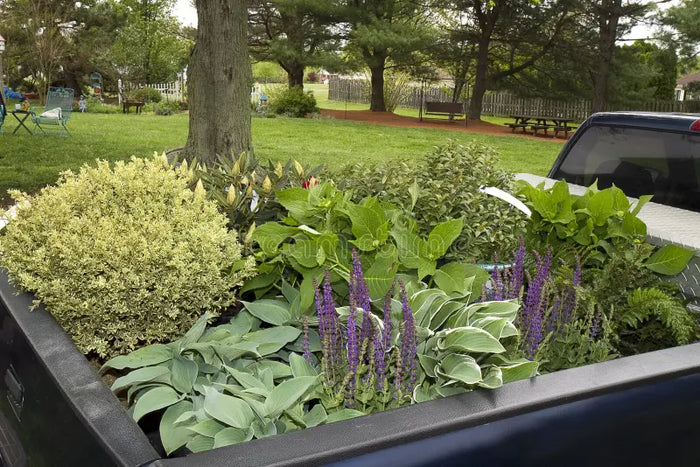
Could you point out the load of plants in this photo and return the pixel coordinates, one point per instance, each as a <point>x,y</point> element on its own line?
<point>244,300</point>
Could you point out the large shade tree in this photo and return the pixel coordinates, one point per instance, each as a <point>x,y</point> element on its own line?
<point>219,76</point>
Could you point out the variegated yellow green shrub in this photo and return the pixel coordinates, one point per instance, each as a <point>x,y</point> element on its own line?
<point>123,256</point>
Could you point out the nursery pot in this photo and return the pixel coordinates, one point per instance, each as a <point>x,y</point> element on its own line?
<point>638,410</point>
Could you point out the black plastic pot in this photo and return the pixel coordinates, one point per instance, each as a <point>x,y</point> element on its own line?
<point>641,410</point>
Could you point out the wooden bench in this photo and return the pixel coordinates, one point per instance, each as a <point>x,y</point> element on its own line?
<point>513,126</point>
<point>450,109</point>
<point>127,104</point>
<point>544,127</point>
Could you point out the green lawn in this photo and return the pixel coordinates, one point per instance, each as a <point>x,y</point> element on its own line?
<point>30,162</point>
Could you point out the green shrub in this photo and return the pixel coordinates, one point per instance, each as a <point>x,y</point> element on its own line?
<point>94,105</point>
<point>166,108</point>
<point>146,95</point>
<point>445,185</point>
<point>294,102</point>
<point>123,256</point>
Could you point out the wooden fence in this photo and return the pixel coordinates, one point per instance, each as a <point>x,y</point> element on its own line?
<point>502,104</point>
<point>171,92</point>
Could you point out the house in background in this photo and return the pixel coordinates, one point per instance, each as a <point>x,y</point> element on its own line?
<point>688,87</point>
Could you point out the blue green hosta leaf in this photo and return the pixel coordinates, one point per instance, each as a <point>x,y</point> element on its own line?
<point>271,234</point>
<point>493,378</point>
<point>278,369</point>
<point>264,430</point>
<point>315,416</point>
<point>183,374</point>
<point>269,311</point>
<point>171,435</point>
<point>271,340</point>
<point>200,443</point>
<point>287,394</point>
<point>154,399</point>
<point>145,356</point>
<point>452,390</point>
<point>140,375</point>
<point>300,367</point>
<point>196,331</point>
<point>442,236</point>
<point>461,368</point>
<point>229,410</point>
<point>344,414</point>
<point>229,436</point>
<point>237,350</point>
<point>245,379</point>
<point>469,339</point>
<point>208,427</point>
<point>669,260</point>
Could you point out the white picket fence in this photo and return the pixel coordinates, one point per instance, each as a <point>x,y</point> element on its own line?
<point>171,92</point>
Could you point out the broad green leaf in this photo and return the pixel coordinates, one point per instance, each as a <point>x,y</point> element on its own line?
<point>381,272</point>
<point>145,356</point>
<point>444,312</point>
<point>669,260</point>
<point>421,303</point>
<point>315,416</point>
<point>229,436</point>
<point>270,234</point>
<point>140,375</point>
<point>272,339</point>
<point>411,247</point>
<point>200,443</point>
<point>184,372</point>
<point>295,200</point>
<point>460,368</point>
<point>154,399</point>
<point>196,331</point>
<point>287,394</point>
<point>344,414</point>
<point>493,378</point>
<point>261,282</point>
<point>300,367</point>
<point>442,236</point>
<point>229,352</point>
<point>632,226</point>
<point>369,225</point>
<point>171,435</point>
<point>601,206</point>
<point>269,311</point>
<point>470,339</point>
<point>644,199</point>
<point>208,427</point>
<point>278,369</point>
<point>519,370</point>
<point>500,309</point>
<point>461,278</point>
<point>229,410</point>
<point>245,379</point>
<point>428,364</point>
<point>304,252</point>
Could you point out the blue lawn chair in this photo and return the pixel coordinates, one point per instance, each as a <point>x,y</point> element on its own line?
<point>59,106</point>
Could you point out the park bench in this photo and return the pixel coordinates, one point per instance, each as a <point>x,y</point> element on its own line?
<point>127,104</point>
<point>450,109</point>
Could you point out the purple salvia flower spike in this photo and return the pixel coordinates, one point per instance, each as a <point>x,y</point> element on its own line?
<point>319,310</point>
<point>516,278</point>
<point>353,355</point>
<point>305,339</point>
<point>408,343</point>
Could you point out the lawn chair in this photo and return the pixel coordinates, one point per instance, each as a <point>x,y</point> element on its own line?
<point>59,106</point>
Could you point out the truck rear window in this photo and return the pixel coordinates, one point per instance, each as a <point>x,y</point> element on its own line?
<point>640,162</point>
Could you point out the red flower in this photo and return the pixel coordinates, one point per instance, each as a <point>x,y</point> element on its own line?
<point>310,182</point>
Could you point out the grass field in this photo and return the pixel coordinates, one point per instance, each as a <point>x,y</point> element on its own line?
<point>30,162</point>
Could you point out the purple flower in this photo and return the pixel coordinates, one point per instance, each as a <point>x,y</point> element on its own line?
<point>320,311</point>
<point>554,316</point>
<point>382,343</point>
<point>353,355</point>
<point>408,342</point>
<point>570,296</point>
<point>305,339</point>
<point>516,278</point>
<point>332,325</point>
<point>594,329</point>
<point>535,303</point>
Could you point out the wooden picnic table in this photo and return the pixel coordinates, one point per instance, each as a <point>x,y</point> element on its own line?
<point>537,123</point>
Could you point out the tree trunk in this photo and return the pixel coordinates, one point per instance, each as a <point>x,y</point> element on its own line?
<point>607,28</point>
<point>480,79</point>
<point>377,97</point>
<point>295,75</point>
<point>219,82</point>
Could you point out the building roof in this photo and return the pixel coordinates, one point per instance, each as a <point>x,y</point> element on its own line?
<point>687,79</point>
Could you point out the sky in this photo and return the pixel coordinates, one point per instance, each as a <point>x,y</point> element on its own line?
<point>185,12</point>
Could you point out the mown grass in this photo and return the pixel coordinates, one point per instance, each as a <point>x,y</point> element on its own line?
<point>30,162</point>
